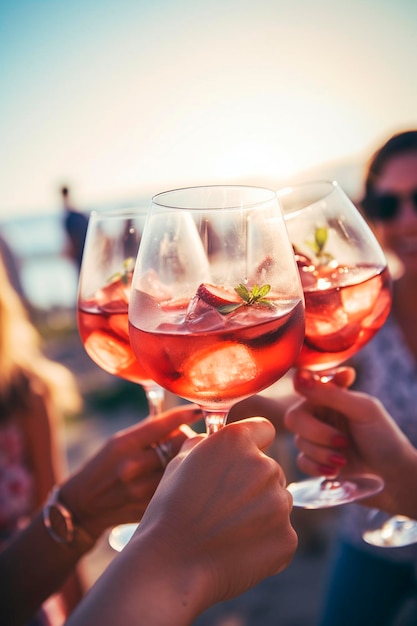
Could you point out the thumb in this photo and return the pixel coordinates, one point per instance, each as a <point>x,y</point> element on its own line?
<point>356,406</point>
<point>261,431</point>
<point>344,377</point>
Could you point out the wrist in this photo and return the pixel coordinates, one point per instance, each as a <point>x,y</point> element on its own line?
<point>62,525</point>
<point>407,485</point>
<point>400,482</point>
<point>174,586</point>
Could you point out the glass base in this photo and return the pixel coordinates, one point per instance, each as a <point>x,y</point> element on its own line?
<point>121,535</point>
<point>323,493</point>
<point>392,532</point>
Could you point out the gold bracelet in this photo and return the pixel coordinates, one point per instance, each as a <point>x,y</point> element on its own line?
<point>59,522</point>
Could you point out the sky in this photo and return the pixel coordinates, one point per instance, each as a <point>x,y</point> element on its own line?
<point>121,99</point>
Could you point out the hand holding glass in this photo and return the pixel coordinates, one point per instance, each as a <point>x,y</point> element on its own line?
<point>347,291</point>
<point>110,251</point>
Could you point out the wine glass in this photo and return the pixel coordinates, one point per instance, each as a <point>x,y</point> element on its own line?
<point>390,531</point>
<point>216,311</point>
<point>347,291</point>
<point>110,250</point>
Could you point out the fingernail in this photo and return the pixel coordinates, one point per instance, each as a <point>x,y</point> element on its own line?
<point>337,459</point>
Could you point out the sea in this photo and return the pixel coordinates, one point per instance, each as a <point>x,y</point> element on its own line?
<point>38,240</point>
<point>49,278</point>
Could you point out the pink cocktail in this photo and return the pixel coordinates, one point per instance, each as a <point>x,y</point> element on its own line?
<point>209,357</point>
<point>344,308</point>
<point>347,292</point>
<point>216,311</point>
<point>104,330</point>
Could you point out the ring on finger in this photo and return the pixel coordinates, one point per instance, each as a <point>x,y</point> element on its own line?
<point>163,450</point>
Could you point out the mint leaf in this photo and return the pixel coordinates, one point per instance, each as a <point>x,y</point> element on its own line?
<point>319,243</point>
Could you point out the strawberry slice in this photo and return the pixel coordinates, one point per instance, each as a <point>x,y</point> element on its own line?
<point>344,339</point>
<point>217,296</point>
<point>114,297</point>
<point>114,306</point>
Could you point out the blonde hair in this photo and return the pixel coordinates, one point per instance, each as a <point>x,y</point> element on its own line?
<point>24,369</point>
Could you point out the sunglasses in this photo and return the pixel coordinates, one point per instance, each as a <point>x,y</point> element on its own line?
<point>386,206</point>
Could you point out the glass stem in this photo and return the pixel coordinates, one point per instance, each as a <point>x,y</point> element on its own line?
<point>325,376</point>
<point>155,396</point>
<point>215,420</point>
<point>329,484</point>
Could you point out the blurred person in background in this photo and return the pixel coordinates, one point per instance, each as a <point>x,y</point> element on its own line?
<point>35,394</point>
<point>368,584</point>
<point>11,266</point>
<point>75,224</point>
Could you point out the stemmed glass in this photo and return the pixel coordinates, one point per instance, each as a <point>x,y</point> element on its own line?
<point>216,311</point>
<point>110,250</point>
<point>347,291</point>
<point>390,531</point>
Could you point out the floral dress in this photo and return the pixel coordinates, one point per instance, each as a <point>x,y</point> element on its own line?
<point>16,493</point>
<point>16,482</point>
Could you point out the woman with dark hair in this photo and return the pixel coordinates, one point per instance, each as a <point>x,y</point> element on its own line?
<point>397,145</point>
<point>367,584</point>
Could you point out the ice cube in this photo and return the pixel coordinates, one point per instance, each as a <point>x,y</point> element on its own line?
<point>325,322</point>
<point>250,315</point>
<point>331,334</point>
<point>145,312</point>
<point>359,300</point>
<point>196,308</point>
<point>220,368</point>
<point>202,316</point>
<point>113,297</point>
<point>152,284</point>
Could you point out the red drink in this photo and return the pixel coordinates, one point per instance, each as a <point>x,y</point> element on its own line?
<point>344,308</point>
<point>211,358</point>
<point>104,330</point>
